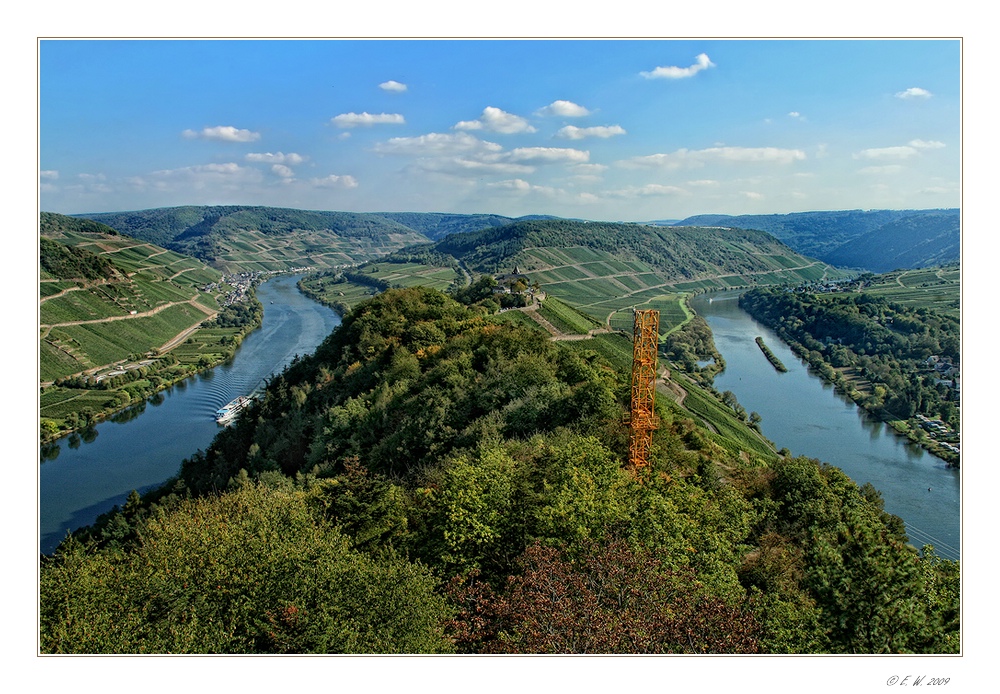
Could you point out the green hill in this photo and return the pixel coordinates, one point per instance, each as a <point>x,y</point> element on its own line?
<point>602,268</point>
<point>239,238</point>
<point>431,480</point>
<point>436,226</point>
<point>111,307</point>
<point>915,241</point>
<point>876,240</point>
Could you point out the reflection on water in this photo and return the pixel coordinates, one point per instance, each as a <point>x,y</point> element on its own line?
<point>806,415</point>
<point>87,474</point>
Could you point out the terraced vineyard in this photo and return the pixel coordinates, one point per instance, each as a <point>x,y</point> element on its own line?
<point>936,288</point>
<point>155,296</point>
<point>108,305</point>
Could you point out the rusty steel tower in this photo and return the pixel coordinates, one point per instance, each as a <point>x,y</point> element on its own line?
<point>642,420</point>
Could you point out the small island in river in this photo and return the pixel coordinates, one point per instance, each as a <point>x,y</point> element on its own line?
<point>775,362</point>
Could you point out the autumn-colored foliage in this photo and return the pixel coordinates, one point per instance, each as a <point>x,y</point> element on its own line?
<point>610,599</point>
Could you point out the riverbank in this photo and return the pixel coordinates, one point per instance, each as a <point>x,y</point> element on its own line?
<point>910,429</point>
<point>805,414</point>
<point>142,447</point>
<point>77,403</point>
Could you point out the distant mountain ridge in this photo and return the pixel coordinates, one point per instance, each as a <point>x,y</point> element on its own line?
<point>676,253</point>
<point>243,237</point>
<point>237,238</point>
<point>875,240</point>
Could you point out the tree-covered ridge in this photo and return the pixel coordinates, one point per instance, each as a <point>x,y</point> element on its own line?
<point>251,238</point>
<point>915,241</point>
<point>436,226</point>
<point>69,263</point>
<point>876,240</point>
<point>51,224</point>
<point>898,363</point>
<point>427,450</point>
<point>678,252</point>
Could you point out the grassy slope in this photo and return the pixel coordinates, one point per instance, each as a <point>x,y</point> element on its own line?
<point>160,286</point>
<point>242,238</point>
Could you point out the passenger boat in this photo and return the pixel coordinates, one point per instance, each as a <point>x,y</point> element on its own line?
<point>226,414</point>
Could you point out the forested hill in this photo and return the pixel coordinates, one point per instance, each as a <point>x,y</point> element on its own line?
<point>65,262</point>
<point>433,479</point>
<point>876,240</point>
<point>246,238</point>
<point>436,226</point>
<point>676,252</point>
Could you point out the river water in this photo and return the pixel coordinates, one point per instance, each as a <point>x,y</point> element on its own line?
<point>84,476</point>
<point>808,417</point>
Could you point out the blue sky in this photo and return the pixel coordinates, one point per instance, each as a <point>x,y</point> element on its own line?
<point>599,129</point>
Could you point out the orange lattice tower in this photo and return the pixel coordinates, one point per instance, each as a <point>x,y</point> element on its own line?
<point>642,420</point>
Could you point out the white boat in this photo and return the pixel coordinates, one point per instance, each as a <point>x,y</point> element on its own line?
<point>227,413</point>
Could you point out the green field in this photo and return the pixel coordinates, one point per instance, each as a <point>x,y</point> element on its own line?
<point>566,318</point>
<point>727,429</point>
<point>933,288</point>
<point>97,344</point>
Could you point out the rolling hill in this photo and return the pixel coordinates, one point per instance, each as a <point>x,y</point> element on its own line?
<point>599,268</point>
<point>241,238</point>
<point>875,240</point>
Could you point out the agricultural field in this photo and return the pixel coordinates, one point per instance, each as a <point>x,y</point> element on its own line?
<point>566,318</point>
<point>413,274</point>
<point>615,348</point>
<point>95,344</point>
<point>320,250</point>
<point>59,403</point>
<point>727,429</point>
<point>933,288</point>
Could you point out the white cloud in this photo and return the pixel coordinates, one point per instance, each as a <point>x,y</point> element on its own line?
<point>353,120</point>
<point>334,181</point>
<point>881,170</point>
<point>282,171</point>
<point>566,109</point>
<point>223,133</point>
<point>276,158</point>
<point>436,144</point>
<point>649,190</point>
<point>590,169</point>
<point>228,176</point>
<point>462,154</point>
<point>699,157</point>
<point>571,132</point>
<point>914,93</point>
<point>498,121</point>
<point>513,184</point>
<point>48,175</point>
<point>548,155</point>
<point>750,195</point>
<point>463,166</point>
<point>392,86</point>
<point>675,73</point>
<point>900,152</point>
<point>911,149</point>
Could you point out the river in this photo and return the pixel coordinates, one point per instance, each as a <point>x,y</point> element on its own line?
<point>85,476</point>
<point>808,417</point>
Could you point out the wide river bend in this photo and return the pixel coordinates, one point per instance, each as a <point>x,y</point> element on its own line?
<point>808,417</point>
<point>82,477</point>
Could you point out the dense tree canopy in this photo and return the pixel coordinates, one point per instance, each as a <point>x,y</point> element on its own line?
<point>431,480</point>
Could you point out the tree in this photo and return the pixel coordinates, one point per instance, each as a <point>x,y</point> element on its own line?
<point>607,599</point>
<point>255,570</point>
